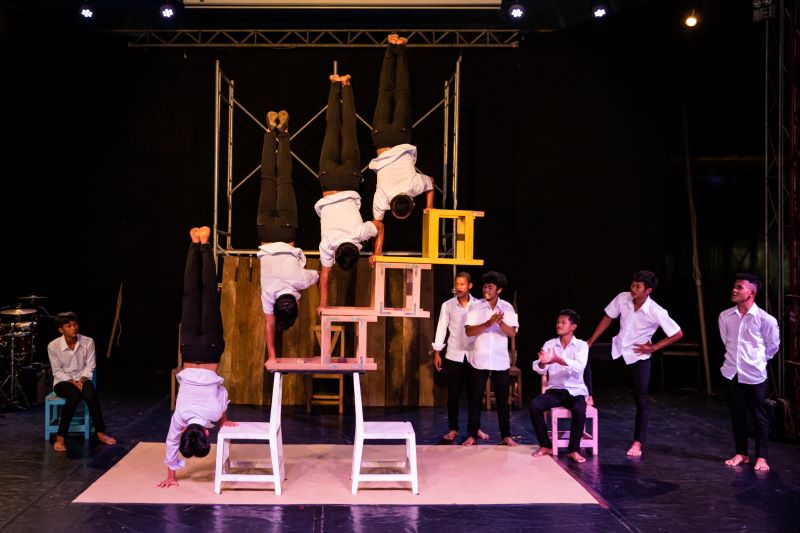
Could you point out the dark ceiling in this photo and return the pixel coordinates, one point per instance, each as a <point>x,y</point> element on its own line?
<point>543,15</point>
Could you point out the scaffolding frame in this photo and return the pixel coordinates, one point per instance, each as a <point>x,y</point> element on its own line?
<point>319,38</point>
<point>225,94</point>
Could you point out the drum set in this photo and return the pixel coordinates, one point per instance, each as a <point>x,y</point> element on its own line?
<point>18,328</point>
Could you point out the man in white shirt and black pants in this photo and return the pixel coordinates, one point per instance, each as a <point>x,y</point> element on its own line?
<point>491,321</point>
<point>640,317</point>
<point>563,360</point>
<point>751,337</point>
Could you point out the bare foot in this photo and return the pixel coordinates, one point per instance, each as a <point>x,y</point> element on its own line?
<point>272,120</point>
<point>635,450</point>
<point>401,41</point>
<point>335,78</point>
<point>575,456</point>
<point>761,465</point>
<point>204,233</point>
<point>589,400</point>
<point>345,79</point>
<point>482,435</point>
<point>193,234</point>
<point>508,441</point>
<point>392,38</point>
<point>105,439</point>
<point>59,445</point>
<point>469,442</point>
<point>541,452</point>
<point>737,460</point>
<point>450,435</point>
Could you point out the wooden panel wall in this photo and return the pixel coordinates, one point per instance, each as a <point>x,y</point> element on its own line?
<point>400,346</point>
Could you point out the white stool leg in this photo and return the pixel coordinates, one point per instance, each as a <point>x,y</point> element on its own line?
<point>358,449</point>
<point>220,460</point>
<point>412,459</point>
<point>554,431</point>
<point>595,434</point>
<point>276,465</point>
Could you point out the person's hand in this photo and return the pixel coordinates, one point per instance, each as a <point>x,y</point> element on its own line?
<point>78,384</point>
<point>546,356</point>
<point>643,349</point>
<point>589,343</point>
<point>167,483</point>
<point>495,318</point>
<point>319,309</point>
<point>372,260</point>
<point>230,423</point>
<point>437,361</point>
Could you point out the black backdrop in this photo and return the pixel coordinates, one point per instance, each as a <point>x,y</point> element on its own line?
<point>571,144</point>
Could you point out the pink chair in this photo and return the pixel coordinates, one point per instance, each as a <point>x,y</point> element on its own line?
<point>561,438</point>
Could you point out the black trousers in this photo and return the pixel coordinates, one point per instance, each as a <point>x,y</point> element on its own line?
<point>745,398</point>
<point>477,385</point>
<point>559,398</point>
<point>73,397</point>
<point>458,378</point>
<point>201,320</point>
<point>340,160</point>
<point>391,123</point>
<point>641,381</point>
<point>277,206</point>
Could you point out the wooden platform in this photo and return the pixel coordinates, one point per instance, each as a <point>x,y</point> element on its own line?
<point>428,260</point>
<point>338,365</point>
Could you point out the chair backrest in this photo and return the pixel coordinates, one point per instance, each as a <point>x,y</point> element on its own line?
<point>357,399</point>
<point>275,408</point>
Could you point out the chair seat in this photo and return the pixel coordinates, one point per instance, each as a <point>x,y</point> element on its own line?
<point>246,431</point>
<point>387,430</point>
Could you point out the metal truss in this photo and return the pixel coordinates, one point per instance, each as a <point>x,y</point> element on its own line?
<point>238,38</point>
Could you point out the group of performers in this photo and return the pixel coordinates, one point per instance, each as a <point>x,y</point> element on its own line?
<point>476,330</point>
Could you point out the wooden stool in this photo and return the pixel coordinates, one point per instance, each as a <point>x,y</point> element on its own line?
<point>514,390</point>
<point>327,398</point>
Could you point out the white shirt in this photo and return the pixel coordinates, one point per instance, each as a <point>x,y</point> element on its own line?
<point>452,319</point>
<point>491,347</point>
<point>201,400</point>
<point>750,341</point>
<point>637,327</point>
<point>340,221</point>
<point>282,273</point>
<point>397,175</point>
<point>569,377</point>
<point>69,365</point>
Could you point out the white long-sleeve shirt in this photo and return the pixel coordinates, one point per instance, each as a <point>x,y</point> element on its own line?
<point>396,174</point>
<point>637,327</point>
<point>282,273</point>
<point>569,377</point>
<point>340,221</point>
<point>201,400</point>
<point>452,319</point>
<point>69,365</point>
<point>490,351</point>
<point>750,341</point>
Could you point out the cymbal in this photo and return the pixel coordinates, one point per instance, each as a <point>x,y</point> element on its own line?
<point>17,312</point>
<point>32,297</point>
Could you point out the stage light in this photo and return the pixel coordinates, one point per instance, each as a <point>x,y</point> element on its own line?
<point>516,10</point>
<point>167,11</point>
<point>86,11</point>
<point>691,20</point>
<point>599,10</point>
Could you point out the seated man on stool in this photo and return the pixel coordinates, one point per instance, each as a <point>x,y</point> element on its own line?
<point>72,360</point>
<point>564,358</point>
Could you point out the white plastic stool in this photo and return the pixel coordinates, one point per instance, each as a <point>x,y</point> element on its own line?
<point>561,438</point>
<point>382,431</point>
<point>257,431</point>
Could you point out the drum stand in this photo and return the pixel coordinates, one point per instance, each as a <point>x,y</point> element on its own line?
<point>10,390</point>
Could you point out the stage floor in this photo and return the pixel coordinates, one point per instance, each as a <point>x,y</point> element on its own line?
<point>680,485</point>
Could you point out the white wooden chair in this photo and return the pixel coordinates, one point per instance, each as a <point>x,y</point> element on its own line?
<point>256,431</point>
<point>561,438</point>
<point>382,431</point>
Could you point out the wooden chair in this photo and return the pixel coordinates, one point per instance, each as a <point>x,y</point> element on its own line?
<point>560,439</point>
<point>253,431</point>
<point>81,422</point>
<point>514,387</point>
<point>327,398</point>
<point>382,431</point>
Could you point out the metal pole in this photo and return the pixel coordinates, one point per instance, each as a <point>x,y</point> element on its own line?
<point>457,93</point>
<point>445,161</point>
<point>217,105</point>
<point>231,104</point>
<point>766,165</point>
<point>781,255</point>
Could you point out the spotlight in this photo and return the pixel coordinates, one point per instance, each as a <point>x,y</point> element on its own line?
<point>86,11</point>
<point>599,10</point>
<point>167,11</point>
<point>516,10</point>
<point>691,20</point>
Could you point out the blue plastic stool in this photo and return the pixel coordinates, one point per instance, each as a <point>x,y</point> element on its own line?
<point>81,422</point>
